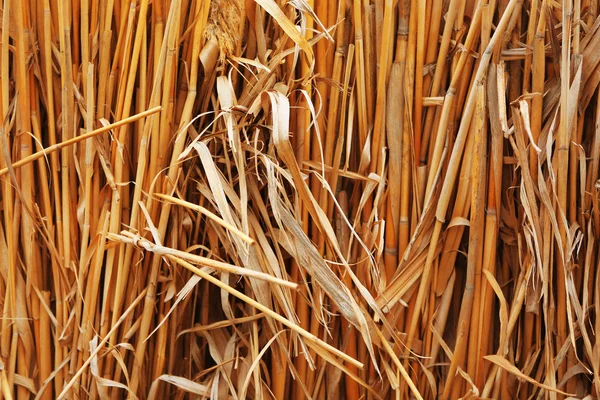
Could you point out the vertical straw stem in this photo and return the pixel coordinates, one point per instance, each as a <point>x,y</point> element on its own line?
<point>564,135</point>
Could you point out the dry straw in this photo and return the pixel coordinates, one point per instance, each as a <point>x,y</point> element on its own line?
<point>360,199</point>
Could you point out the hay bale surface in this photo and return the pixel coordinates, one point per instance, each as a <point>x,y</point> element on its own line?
<point>379,199</point>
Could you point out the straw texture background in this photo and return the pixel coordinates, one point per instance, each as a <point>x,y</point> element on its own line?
<point>327,199</point>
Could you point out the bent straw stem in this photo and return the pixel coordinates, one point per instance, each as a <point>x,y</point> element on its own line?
<point>312,340</point>
<point>77,139</point>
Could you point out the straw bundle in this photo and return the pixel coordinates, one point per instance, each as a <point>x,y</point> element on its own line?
<point>299,199</point>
